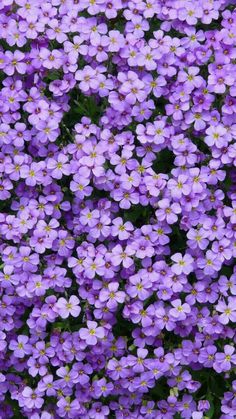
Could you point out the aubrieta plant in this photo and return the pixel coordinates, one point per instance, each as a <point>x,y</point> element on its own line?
<point>118,209</point>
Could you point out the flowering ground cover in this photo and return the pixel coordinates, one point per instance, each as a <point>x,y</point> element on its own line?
<point>118,209</point>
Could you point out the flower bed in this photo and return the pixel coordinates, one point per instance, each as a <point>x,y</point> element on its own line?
<point>118,209</point>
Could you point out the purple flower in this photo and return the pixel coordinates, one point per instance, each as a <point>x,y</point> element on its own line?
<point>15,62</point>
<point>21,347</point>
<point>122,256</point>
<point>32,399</point>
<point>68,307</point>
<point>168,211</point>
<point>228,310</point>
<point>92,333</point>
<point>111,296</point>
<point>182,264</point>
<point>180,311</point>
<point>102,388</point>
<point>223,360</point>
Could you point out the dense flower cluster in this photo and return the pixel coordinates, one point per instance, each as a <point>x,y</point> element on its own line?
<point>118,209</point>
